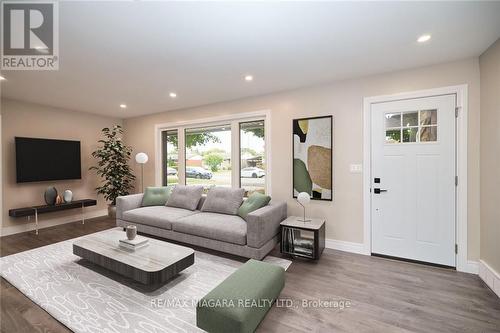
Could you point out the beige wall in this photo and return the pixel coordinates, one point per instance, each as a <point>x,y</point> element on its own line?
<point>343,100</point>
<point>489,63</point>
<point>30,120</point>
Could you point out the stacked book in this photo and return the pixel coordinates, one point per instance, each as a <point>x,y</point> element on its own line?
<point>134,244</point>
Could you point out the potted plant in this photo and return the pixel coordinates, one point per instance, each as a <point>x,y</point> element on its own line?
<point>113,167</point>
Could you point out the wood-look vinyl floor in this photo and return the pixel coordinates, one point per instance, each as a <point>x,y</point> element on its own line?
<point>379,295</point>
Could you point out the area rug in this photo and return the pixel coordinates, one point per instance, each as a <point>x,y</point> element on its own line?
<point>87,298</point>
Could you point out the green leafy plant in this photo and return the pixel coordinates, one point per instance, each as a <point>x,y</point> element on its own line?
<point>198,139</point>
<point>112,165</point>
<point>214,161</point>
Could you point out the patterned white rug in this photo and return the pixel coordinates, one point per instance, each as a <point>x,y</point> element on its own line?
<point>87,298</point>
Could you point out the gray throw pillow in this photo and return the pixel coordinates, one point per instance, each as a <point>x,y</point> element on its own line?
<point>186,197</point>
<point>223,200</point>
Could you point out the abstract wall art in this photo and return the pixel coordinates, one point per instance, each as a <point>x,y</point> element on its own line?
<point>312,157</point>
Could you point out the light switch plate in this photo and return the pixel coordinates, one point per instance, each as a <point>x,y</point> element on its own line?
<point>356,168</point>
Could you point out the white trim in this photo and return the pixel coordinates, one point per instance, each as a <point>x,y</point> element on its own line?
<point>14,229</point>
<point>235,153</point>
<point>218,120</point>
<point>461,205</point>
<point>471,267</point>
<point>490,277</point>
<point>345,246</point>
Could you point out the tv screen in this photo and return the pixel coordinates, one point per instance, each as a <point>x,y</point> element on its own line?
<point>46,159</point>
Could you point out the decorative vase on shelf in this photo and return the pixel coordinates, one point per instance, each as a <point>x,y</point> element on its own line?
<point>59,200</point>
<point>68,196</point>
<point>50,195</point>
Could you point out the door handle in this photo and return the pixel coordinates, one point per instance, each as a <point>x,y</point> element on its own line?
<point>378,190</point>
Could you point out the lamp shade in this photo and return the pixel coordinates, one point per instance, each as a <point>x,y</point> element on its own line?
<point>141,158</point>
<point>303,198</point>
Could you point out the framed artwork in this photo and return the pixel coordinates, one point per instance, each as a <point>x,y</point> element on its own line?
<point>312,157</point>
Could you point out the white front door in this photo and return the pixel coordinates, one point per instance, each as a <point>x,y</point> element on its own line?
<point>413,179</point>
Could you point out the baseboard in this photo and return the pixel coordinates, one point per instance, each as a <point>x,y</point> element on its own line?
<point>352,247</point>
<point>14,229</point>
<point>490,277</point>
<point>471,267</point>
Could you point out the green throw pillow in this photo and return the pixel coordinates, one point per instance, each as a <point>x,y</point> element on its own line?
<point>156,196</point>
<point>255,201</point>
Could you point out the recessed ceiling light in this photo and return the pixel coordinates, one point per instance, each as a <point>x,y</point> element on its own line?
<point>172,95</point>
<point>123,106</point>
<point>248,78</point>
<point>424,38</point>
<point>2,78</point>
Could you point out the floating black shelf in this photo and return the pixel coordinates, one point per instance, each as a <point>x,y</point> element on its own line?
<point>30,211</point>
<point>35,210</point>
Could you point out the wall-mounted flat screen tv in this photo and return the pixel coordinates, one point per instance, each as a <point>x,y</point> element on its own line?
<point>47,159</point>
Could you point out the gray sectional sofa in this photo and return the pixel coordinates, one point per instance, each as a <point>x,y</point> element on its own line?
<point>252,237</point>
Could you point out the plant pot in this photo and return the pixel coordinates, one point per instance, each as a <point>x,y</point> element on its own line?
<point>112,211</point>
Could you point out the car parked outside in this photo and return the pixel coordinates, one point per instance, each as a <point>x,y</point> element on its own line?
<point>198,172</point>
<point>171,171</point>
<point>252,172</point>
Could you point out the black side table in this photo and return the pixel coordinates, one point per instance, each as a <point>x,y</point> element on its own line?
<point>303,239</point>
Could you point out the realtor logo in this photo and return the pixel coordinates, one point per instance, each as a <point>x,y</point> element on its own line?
<point>30,36</point>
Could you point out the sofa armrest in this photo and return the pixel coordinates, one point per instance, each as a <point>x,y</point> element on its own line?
<point>127,202</point>
<point>264,223</point>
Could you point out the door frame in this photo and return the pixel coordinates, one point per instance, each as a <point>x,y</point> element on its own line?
<point>461,93</point>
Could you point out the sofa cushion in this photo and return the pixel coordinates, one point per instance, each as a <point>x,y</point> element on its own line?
<point>156,196</point>
<point>225,228</point>
<point>255,201</point>
<point>224,200</point>
<point>186,197</point>
<point>156,216</point>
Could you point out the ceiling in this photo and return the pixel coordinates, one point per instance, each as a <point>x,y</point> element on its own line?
<point>137,52</point>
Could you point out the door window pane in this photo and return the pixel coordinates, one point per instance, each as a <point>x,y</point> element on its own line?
<point>410,134</point>
<point>393,136</point>
<point>392,120</point>
<point>428,133</point>
<point>170,157</point>
<point>252,157</point>
<point>416,126</point>
<point>208,156</point>
<point>410,119</point>
<point>428,117</point>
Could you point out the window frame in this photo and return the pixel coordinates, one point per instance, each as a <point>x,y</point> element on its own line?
<point>266,189</point>
<point>187,128</point>
<point>164,180</point>
<point>234,121</point>
<point>419,128</point>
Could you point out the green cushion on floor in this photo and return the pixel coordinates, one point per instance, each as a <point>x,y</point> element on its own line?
<point>242,300</point>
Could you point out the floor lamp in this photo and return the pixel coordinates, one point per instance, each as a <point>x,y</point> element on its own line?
<point>141,158</point>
